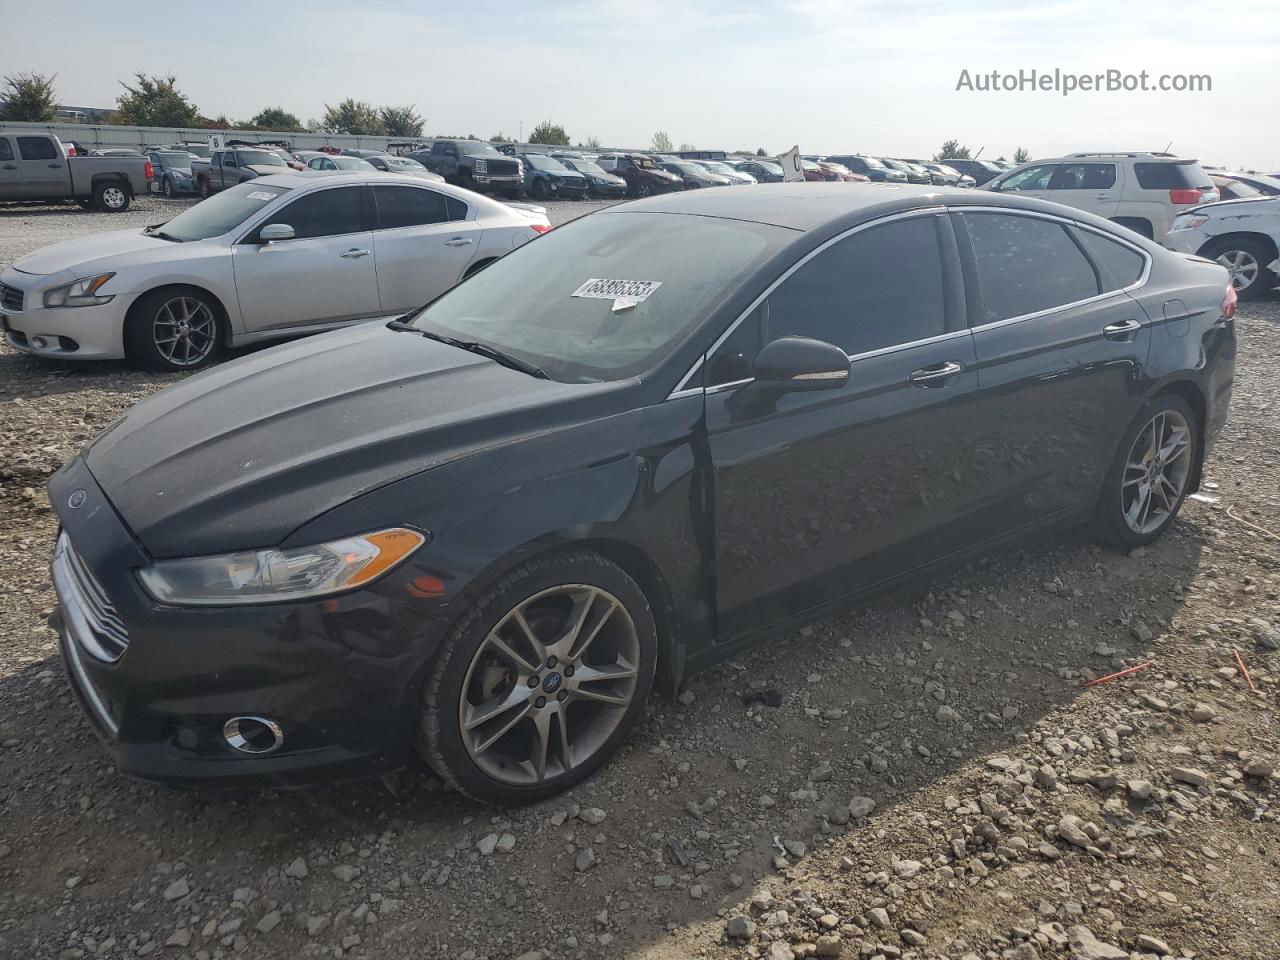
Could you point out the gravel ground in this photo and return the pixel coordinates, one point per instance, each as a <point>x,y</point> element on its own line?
<point>933,782</point>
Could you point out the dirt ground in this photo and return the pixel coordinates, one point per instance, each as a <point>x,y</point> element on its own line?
<point>935,781</point>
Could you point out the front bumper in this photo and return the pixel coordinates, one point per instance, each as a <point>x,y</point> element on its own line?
<point>512,182</point>
<point>63,333</point>
<point>339,675</point>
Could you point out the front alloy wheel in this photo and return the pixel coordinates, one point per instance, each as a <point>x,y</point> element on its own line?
<point>172,329</point>
<point>542,681</point>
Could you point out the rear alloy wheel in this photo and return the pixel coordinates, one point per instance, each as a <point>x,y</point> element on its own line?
<point>1246,261</point>
<point>542,682</point>
<point>173,330</point>
<point>111,197</point>
<point>1151,477</point>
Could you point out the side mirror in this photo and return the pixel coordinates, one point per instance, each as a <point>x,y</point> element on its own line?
<point>799,363</point>
<point>274,232</point>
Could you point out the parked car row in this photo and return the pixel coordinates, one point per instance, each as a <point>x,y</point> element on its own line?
<point>38,167</point>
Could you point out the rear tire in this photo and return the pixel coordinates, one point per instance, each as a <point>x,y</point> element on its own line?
<point>1148,480</point>
<point>167,188</point>
<point>173,329</point>
<point>539,189</point>
<point>514,710</point>
<point>1247,261</point>
<point>110,197</point>
<point>205,190</point>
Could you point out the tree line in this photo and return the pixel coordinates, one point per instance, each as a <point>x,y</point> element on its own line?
<point>955,150</point>
<point>156,101</point>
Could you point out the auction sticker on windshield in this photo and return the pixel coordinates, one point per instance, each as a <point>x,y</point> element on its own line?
<point>624,293</point>
<point>261,195</point>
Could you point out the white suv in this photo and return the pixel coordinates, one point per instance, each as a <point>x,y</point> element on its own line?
<point>1142,191</point>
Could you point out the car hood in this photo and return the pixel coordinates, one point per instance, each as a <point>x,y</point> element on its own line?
<point>77,255</point>
<point>605,178</point>
<point>242,455</point>
<point>1242,206</point>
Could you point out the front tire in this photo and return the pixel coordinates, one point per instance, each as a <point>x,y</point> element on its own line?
<point>173,329</point>
<point>111,197</point>
<point>541,681</point>
<point>1246,260</point>
<point>540,190</point>
<point>1151,474</point>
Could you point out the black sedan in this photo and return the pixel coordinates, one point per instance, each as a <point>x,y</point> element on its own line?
<point>695,176</point>
<point>479,535</point>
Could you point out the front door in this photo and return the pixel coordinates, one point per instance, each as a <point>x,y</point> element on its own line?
<point>1060,347</point>
<point>821,494</point>
<point>42,168</point>
<point>325,274</point>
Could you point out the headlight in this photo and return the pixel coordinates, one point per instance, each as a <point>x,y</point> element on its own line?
<point>482,166</point>
<point>79,293</point>
<point>270,576</point>
<point>180,174</point>
<point>1189,221</point>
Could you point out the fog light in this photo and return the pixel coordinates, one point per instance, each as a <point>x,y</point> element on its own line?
<point>253,734</point>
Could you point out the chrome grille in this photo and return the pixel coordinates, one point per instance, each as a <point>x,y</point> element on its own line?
<point>90,614</point>
<point>10,298</point>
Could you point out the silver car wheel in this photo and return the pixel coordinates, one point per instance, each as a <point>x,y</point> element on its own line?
<point>1243,267</point>
<point>185,331</point>
<point>113,198</point>
<point>1155,472</point>
<point>549,684</point>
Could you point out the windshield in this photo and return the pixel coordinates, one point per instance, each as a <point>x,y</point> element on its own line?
<point>644,163</point>
<point>717,167</point>
<point>539,162</point>
<point>690,168</point>
<point>586,166</point>
<point>175,159</point>
<point>402,163</point>
<point>353,163</point>
<point>837,167</point>
<point>247,158</point>
<point>222,212</point>
<point>526,304</point>
<point>769,166</point>
<point>471,148</point>
<point>809,165</point>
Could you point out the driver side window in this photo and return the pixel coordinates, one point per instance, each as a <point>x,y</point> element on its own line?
<point>1032,178</point>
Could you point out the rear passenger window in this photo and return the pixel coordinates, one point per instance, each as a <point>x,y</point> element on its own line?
<point>1026,265</point>
<point>877,288</point>
<point>408,207</point>
<point>1084,176</point>
<point>6,151</point>
<point>1120,266</point>
<point>457,209</point>
<point>36,148</point>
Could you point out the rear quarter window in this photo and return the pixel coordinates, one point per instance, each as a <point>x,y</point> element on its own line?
<point>1120,266</point>
<point>1170,176</point>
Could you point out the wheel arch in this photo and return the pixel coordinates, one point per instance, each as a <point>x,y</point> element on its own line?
<point>1237,235</point>
<point>98,179</point>
<point>474,268</point>
<point>223,316</point>
<point>1139,225</point>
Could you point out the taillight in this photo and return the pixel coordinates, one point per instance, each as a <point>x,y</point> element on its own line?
<point>148,170</point>
<point>1186,196</point>
<point>71,151</point>
<point>539,227</point>
<point>1229,303</point>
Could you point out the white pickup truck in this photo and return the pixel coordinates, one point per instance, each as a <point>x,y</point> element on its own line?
<point>35,167</point>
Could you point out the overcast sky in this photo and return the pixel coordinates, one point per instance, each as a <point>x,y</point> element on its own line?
<point>831,75</point>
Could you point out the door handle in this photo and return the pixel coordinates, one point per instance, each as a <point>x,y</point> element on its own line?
<point>1124,331</point>
<point>11,166</point>
<point>55,166</point>
<point>353,254</point>
<point>936,375</point>
<point>458,242</point>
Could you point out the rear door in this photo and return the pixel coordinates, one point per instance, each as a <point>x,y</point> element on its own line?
<point>422,244</point>
<point>42,169</point>
<point>325,274</point>
<point>822,493</point>
<point>1092,186</point>
<point>1059,346</point>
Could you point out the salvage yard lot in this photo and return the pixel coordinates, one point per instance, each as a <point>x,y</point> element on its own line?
<point>1011,805</point>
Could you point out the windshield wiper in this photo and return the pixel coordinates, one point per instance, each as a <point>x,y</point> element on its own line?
<point>476,347</point>
<point>152,231</point>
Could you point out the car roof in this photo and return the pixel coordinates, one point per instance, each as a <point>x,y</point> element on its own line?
<point>810,205</point>
<point>297,179</point>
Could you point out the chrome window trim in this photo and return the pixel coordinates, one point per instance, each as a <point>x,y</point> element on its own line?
<point>1066,221</point>
<point>683,388</point>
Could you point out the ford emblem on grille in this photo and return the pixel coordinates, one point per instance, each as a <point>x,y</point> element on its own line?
<point>77,499</point>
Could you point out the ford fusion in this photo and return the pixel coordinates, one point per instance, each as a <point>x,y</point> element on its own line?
<point>480,534</point>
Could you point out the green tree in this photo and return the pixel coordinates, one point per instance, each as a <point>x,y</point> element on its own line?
<point>661,142</point>
<point>549,133</point>
<point>952,149</point>
<point>760,152</point>
<point>499,137</point>
<point>220,122</point>
<point>276,118</point>
<point>1021,155</point>
<point>155,102</point>
<point>354,117</point>
<point>29,97</point>
<point>401,121</point>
